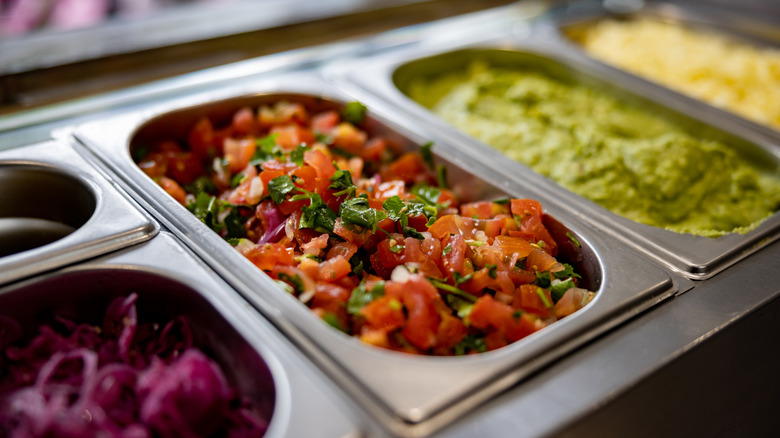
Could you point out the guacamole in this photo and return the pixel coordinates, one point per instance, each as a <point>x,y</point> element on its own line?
<point>636,164</point>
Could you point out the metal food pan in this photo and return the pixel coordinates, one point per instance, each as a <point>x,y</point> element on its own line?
<point>409,395</point>
<point>383,79</point>
<point>170,282</point>
<point>57,210</point>
<point>562,25</point>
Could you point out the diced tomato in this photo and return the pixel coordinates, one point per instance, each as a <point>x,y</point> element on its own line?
<point>201,140</point>
<point>477,284</point>
<point>453,257</point>
<point>153,165</point>
<point>244,121</point>
<point>529,214</point>
<point>533,299</point>
<point>282,112</point>
<point>348,138</point>
<point>355,235</point>
<point>324,122</point>
<point>443,227</point>
<point>173,188</point>
<point>379,267</point>
<point>450,332</point>
<point>320,161</point>
<point>374,149</point>
<point>409,168</point>
<point>384,313</point>
<point>334,268</point>
<point>268,255</point>
<point>391,252</point>
<point>316,245</point>
<point>539,261</point>
<point>306,178</point>
<point>239,152</point>
<point>310,267</point>
<point>423,321</point>
<point>291,135</point>
<point>514,246</point>
<point>389,189</point>
<point>572,300</point>
<point>344,249</point>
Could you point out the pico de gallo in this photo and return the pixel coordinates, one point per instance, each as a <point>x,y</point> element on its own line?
<point>371,240</point>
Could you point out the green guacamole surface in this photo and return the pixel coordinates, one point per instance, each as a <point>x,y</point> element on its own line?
<point>635,164</point>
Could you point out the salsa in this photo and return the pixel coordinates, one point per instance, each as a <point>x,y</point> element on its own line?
<point>632,162</point>
<point>371,240</point>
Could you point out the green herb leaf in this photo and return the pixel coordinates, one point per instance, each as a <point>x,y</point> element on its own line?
<point>293,280</point>
<point>454,290</point>
<point>427,194</point>
<point>471,343</point>
<point>543,279</point>
<point>460,279</point>
<point>279,187</point>
<point>543,297</point>
<point>447,249</point>
<point>354,112</point>
<point>393,206</point>
<point>296,156</point>
<point>441,176</point>
<point>202,184</point>
<point>236,180</point>
<point>357,211</point>
<point>361,296</point>
<point>427,156</point>
<point>462,307</point>
<point>332,320</point>
<point>266,150</point>
<point>323,138</point>
<point>566,272</point>
<point>559,288</point>
<point>316,215</point>
<point>342,183</point>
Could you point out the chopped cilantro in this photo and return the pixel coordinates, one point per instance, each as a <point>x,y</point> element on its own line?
<point>233,241</point>
<point>559,288</point>
<point>316,215</point>
<point>361,296</point>
<point>202,184</point>
<point>427,194</point>
<point>454,290</point>
<point>447,249</point>
<point>354,113</point>
<point>471,343</point>
<point>492,270</point>
<point>543,297</point>
<point>462,307</point>
<point>573,239</point>
<point>293,280</point>
<point>209,209</point>
<point>460,279</point>
<point>566,272</point>
<point>396,248</point>
<point>279,187</point>
<point>441,176</point>
<point>393,206</point>
<point>296,156</point>
<point>543,279</point>
<point>332,320</point>
<point>342,182</point>
<point>323,138</point>
<point>357,211</point>
<point>236,180</point>
<point>266,150</point>
<point>427,156</point>
<point>501,201</point>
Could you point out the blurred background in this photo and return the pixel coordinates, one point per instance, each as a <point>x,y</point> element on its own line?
<point>57,50</point>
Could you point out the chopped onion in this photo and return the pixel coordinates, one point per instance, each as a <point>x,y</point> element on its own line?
<point>400,274</point>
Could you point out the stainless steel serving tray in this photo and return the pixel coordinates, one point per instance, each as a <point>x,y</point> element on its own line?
<point>409,395</point>
<point>378,81</point>
<point>170,282</point>
<point>57,210</point>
